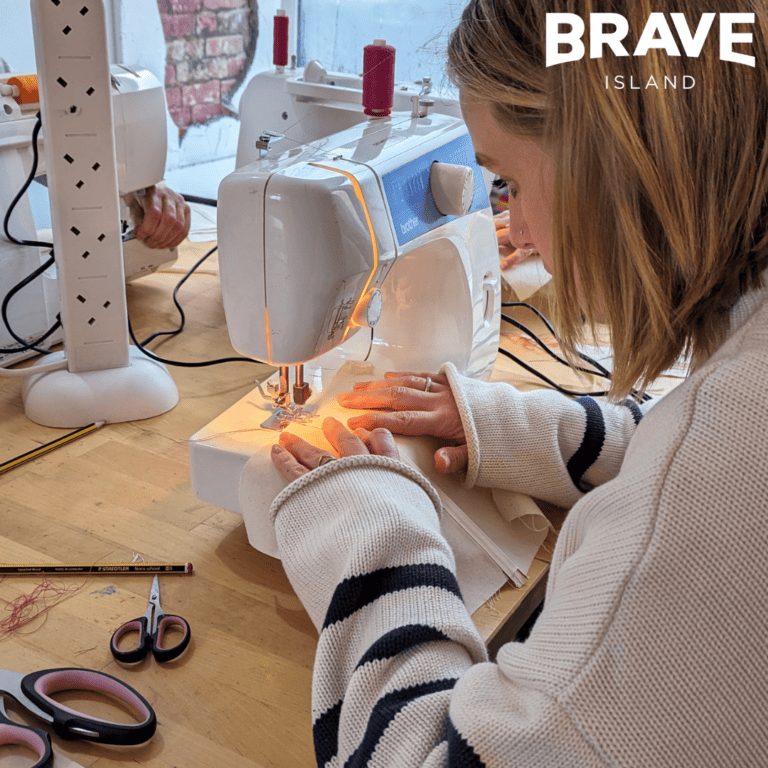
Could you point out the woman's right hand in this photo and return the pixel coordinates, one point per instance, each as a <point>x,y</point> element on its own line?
<point>402,406</point>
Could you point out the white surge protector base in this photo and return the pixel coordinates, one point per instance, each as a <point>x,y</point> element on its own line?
<point>70,400</point>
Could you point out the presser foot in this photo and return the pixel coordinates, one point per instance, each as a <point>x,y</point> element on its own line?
<point>288,414</point>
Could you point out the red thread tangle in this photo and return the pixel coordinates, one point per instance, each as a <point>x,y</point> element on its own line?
<point>27,608</point>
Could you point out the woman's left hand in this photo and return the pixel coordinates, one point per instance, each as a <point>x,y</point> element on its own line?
<point>294,457</point>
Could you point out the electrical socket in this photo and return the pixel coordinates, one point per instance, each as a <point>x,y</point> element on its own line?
<point>76,107</point>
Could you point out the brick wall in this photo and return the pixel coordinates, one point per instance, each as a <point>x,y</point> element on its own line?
<point>209,48</point>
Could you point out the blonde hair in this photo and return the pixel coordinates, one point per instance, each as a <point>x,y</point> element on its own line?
<point>660,202</point>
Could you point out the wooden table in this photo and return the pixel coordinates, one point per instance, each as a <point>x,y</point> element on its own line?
<point>240,697</point>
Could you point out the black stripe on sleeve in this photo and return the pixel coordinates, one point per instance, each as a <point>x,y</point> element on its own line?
<point>634,409</point>
<point>386,709</point>
<point>358,591</point>
<point>460,754</point>
<point>401,639</point>
<point>325,733</point>
<point>591,444</point>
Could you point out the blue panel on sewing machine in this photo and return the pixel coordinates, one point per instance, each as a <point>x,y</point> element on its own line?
<point>407,190</point>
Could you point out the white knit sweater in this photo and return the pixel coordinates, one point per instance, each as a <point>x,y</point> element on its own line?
<point>651,649</point>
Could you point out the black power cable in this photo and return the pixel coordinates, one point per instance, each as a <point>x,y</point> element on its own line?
<point>24,188</point>
<point>153,356</point>
<point>201,200</point>
<point>600,370</point>
<point>182,364</point>
<point>181,282</point>
<point>23,344</point>
<point>546,380</point>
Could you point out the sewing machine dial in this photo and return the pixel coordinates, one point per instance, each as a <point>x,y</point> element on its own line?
<point>368,311</point>
<point>452,187</point>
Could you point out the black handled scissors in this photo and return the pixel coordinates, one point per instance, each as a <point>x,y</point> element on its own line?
<point>151,627</point>
<point>33,692</point>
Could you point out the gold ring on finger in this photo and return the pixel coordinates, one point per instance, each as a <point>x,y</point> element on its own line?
<point>325,459</point>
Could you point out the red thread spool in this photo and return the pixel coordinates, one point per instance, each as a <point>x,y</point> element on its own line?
<point>280,40</point>
<point>378,78</point>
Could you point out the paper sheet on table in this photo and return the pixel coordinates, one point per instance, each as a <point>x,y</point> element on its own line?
<point>478,576</point>
<point>508,526</point>
<point>604,355</point>
<point>203,226</point>
<point>526,278</point>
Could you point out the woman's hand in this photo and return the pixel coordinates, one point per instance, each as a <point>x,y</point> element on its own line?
<point>295,457</point>
<point>412,404</point>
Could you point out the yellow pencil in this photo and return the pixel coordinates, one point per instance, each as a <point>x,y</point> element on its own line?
<point>33,454</point>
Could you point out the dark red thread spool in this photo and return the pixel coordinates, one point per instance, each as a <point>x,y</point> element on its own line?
<point>280,40</point>
<point>378,78</point>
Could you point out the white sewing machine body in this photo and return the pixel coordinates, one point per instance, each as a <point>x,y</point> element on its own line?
<point>138,105</point>
<point>336,251</point>
<point>307,105</point>
<point>308,234</point>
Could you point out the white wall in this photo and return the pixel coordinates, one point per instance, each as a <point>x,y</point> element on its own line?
<point>16,43</point>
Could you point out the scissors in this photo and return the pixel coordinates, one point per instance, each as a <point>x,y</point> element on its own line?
<point>33,692</point>
<point>151,627</point>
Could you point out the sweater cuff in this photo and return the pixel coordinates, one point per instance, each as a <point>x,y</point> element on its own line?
<point>347,462</point>
<point>355,516</point>
<point>537,443</point>
<point>466,392</point>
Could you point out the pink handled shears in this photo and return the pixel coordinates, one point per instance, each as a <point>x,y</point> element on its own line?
<point>34,692</point>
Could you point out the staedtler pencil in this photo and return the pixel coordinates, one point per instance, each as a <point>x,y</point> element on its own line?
<point>42,449</point>
<point>111,568</point>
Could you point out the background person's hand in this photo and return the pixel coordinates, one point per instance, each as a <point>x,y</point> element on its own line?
<point>405,408</point>
<point>294,457</point>
<point>501,222</point>
<point>162,217</point>
<point>509,255</point>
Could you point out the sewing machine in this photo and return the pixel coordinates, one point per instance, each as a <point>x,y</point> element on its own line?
<point>307,105</point>
<point>366,250</point>
<point>138,104</point>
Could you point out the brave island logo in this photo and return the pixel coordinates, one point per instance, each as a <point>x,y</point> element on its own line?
<point>612,28</point>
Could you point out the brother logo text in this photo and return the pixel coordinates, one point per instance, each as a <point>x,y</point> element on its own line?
<point>656,25</point>
<point>409,225</point>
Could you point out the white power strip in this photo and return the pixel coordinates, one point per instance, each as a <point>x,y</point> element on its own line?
<point>106,378</point>
<point>73,74</point>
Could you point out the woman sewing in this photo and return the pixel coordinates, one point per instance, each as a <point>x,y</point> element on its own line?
<point>649,208</point>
